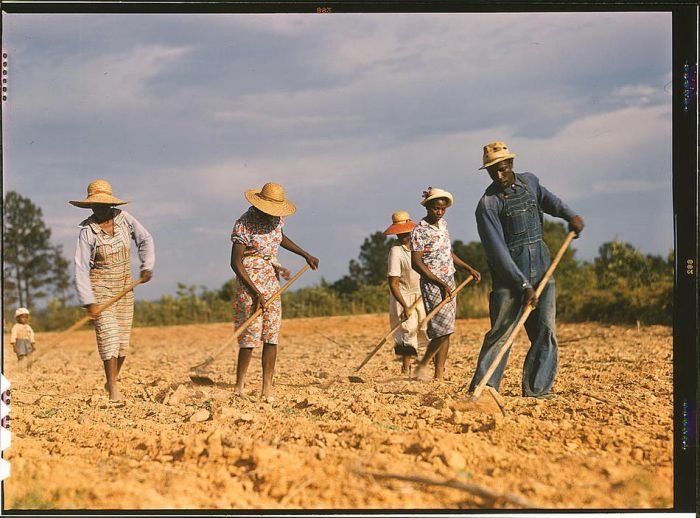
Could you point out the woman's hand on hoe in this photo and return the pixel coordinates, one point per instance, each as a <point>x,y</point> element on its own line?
<point>474,273</point>
<point>283,272</point>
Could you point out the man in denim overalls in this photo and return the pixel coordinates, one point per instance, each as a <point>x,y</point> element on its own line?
<point>509,220</point>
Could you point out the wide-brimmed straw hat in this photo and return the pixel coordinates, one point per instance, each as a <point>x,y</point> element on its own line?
<point>271,200</point>
<point>401,223</point>
<point>433,192</point>
<point>21,311</point>
<point>496,152</point>
<point>99,192</point>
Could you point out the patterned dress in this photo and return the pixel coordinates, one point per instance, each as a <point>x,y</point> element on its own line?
<point>107,259</point>
<point>261,236</point>
<point>434,242</point>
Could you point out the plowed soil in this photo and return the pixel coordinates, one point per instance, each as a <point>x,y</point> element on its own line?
<point>378,442</point>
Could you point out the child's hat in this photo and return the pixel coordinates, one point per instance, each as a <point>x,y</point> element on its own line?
<point>99,193</point>
<point>433,192</point>
<point>401,223</point>
<point>21,311</point>
<point>271,200</point>
<point>496,152</point>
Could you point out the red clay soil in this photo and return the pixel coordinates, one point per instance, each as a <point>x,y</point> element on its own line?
<point>329,443</point>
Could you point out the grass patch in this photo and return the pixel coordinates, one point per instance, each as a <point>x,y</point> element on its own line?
<point>387,426</point>
<point>288,412</point>
<point>35,498</point>
<point>49,412</point>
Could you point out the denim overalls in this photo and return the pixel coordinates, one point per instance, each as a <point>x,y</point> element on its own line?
<point>522,227</point>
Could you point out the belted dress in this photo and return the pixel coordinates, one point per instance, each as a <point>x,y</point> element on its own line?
<point>262,237</point>
<point>510,222</point>
<point>103,269</point>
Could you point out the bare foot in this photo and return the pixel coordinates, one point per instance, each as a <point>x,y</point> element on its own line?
<point>115,395</point>
<point>269,399</point>
<point>421,373</point>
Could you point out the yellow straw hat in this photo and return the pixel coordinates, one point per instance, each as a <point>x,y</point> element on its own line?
<point>433,192</point>
<point>99,193</point>
<point>496,152</point>
<point>271,200</point>
<point>401,223</point>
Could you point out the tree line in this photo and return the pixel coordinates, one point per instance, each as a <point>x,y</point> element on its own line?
<point>621,285</point>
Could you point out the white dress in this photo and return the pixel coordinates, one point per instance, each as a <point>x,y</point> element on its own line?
<point>408,338</point>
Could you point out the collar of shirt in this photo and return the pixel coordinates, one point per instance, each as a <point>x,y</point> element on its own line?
<point>442,224</point>
<point>494,188</point>
<point>95,226</point>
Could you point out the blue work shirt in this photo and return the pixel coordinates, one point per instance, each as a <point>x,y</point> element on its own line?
<point>502,250</point>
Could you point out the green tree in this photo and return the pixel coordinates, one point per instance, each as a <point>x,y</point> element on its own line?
<point>621,265</point>
<point>33,268</point>
<point>569,272</point>
<point>474,255</point>
<point>370,268</point>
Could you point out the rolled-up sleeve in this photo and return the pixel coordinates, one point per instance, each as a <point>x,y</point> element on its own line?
<point>82,263</point>
<point>493,239</point>
<point>144,243</point>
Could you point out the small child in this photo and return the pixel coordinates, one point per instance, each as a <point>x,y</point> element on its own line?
<point>22,337</point>
<point>404,289</point>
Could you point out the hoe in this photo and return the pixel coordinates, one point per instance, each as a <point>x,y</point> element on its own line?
<point>199,376</point>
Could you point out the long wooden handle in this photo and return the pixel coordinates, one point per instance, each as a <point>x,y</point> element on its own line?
<point>376,348</point>
<point>100,309</point>
<point>437,308</point>
<point>523,318</point>
<point>80,323</point>
<point>426,319</point>
<point>239,330</point>
<point>435,311</point>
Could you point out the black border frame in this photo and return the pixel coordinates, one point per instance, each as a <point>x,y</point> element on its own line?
<point>686,334</point>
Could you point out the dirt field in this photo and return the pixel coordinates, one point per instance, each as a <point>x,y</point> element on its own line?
<point>605,442</point>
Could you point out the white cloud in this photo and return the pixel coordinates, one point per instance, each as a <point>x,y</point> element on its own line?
<point>85,85</point>
<point>624,148</point>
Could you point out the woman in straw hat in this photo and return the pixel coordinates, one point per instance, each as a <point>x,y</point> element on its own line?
<point>433,258</point>
<point>404,291</point>
<point>256,237</point>
<point>102,270</point>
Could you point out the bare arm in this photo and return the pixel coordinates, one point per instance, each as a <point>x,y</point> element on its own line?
<point>237,250</point>
<point>419,266</point>
<point>290,245</point>
<point>396,292</point>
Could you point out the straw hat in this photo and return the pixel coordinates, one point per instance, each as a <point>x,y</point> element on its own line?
<point>496,152</point>
<point>434,192</point>
<point>270,199</point>
<point>99,193</point>
<point>401,223</point>
<point>21,311</point>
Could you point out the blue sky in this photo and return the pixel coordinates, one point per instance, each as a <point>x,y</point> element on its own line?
<point>355,114</point>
